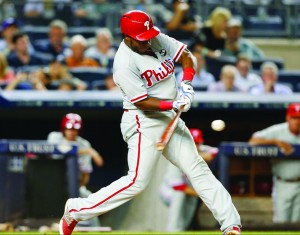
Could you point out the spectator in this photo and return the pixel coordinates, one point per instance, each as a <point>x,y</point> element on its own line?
<point>71,124</point>
<point>286,173</point>
<point>55,45</point>
<point>110,84</point>
<point>78,45</point>
<point>34,8</point>
<point>6,75</point>
<point>184,22</point>
<point>269,74</point>
<point>56,73</point>
<point>178,194</point>
<point>8,30</point>
<point>213,34</point>
<point>21,56</point>
<point>202,78</point>
<point>226,82</point>
<point>235,44</point>
<point>103,51</point>
<point>245,79</point>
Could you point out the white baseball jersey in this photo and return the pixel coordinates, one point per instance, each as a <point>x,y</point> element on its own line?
<point>84,161</point>
<point>284,168</point>
<point>286,195</point>
<point>138,75</point>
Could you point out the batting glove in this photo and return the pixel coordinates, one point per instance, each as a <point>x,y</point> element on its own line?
<point>186,90</point>
<point>182,102</point>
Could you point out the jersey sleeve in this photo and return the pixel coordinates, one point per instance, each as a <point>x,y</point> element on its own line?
<point>131,85</point>
<point>173,47</point>
<point>54,137</point>
<point>268,133</point>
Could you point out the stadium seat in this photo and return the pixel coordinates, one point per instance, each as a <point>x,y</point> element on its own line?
<point>291,77</point>
<point>90,75</point>
<point>214,65</point>
<point>258,62</point>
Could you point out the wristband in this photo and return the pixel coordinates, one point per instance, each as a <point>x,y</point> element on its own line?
<point>181,187</point>
<point>188,74</point>
<point>165,105</point>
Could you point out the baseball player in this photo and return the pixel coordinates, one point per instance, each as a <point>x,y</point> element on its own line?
<point>177,192</point>
<point>144,70</point>
<point>70,126</point>
<point>286,172</point>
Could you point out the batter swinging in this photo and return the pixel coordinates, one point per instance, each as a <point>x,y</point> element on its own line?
<point>144,71</point>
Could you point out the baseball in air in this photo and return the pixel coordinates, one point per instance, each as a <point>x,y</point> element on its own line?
<point>218,125</point>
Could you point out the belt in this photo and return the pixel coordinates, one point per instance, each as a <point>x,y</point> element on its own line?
<point>288,180</point>
<point>125,110</point>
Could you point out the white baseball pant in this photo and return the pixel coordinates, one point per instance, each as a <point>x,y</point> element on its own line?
<point>142,130</point>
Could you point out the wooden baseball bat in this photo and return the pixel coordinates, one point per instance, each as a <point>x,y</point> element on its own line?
<point>166,136</point>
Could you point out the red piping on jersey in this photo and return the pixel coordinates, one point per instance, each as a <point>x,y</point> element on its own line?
<point>129,185</point>
<point>179,53</point>
<point>139,98</point>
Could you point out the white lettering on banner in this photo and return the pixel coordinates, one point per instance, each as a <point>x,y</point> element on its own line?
<point>154,76</point>
<point>16,147</point>
<point>241,151</point>
<point>269,151</point>
<point>40,148</point>
<point>256,151</point>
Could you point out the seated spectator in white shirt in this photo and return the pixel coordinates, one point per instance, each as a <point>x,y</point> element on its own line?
<point>103,51</point>
<point>269,74</point>
<point>202,78</point>
<point>226,82</point>
<point>245,79</point>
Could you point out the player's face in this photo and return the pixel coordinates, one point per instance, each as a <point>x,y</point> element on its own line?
<point>294,124</point>
<point>137,46</point>
<point>71,134</point>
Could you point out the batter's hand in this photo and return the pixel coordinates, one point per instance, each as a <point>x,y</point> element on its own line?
<point>186,90</point>
<point>182,102</point>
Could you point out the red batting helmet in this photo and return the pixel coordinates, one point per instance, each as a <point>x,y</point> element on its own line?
<point>138,25</point>
<point>197,135</point>
<point>293,110</point>
<point>71,121</point>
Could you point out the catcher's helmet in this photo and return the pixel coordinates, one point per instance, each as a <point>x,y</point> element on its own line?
<point>197,135</point>
<point>138,25</point>
<point>71,121</point>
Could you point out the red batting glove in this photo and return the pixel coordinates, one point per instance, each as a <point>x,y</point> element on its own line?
<point>180,187</point>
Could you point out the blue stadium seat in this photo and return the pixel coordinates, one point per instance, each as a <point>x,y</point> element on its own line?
<point>90,75</point>
<point>291,77</point>
<point>258,62</point>
<point>214,65</point>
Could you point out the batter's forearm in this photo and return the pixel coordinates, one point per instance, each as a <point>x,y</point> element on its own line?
<point>149,104</point>
<point>187,60</point>
<point>262,141</point>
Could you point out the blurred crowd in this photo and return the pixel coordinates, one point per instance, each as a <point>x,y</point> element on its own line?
<point>60,61</point>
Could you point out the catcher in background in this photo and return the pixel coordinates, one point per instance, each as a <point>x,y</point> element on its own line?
<point>286,172</point>
<point>176,191</point>
<point>70,127</point>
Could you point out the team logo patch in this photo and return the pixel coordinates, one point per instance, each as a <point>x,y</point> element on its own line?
<point>162,52</point>
<point>147,24</point>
